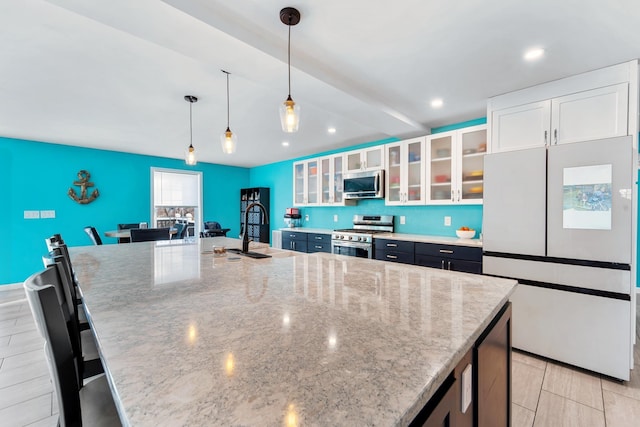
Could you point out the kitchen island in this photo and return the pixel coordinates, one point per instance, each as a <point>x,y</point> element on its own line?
<point>297,339</point>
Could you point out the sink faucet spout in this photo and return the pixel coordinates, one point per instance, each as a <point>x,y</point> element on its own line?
<point>265,220</point>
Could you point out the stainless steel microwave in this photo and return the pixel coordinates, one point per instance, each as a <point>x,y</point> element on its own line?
<point>364,185</point>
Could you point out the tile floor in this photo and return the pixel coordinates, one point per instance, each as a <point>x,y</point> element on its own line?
<point>544,393</point>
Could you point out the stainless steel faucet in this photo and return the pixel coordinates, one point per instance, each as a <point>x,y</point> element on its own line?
<point>245,235</point>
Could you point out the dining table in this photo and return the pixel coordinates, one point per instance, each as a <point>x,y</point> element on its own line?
<point>193,333</point>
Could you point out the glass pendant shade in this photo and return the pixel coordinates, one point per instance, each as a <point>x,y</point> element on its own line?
<point>228,140</point>
<point>289,115</point>
<point>190,156</point>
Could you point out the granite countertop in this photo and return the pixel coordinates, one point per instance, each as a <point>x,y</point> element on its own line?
<point>317,339</point>
<point>422,238</point>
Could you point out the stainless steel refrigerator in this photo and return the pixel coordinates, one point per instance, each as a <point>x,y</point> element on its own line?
<point>561,220</point>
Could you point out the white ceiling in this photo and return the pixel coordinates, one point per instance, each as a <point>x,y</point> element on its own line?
<point>113,74</point>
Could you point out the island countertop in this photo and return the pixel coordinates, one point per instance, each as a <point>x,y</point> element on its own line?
<point>301,339</point>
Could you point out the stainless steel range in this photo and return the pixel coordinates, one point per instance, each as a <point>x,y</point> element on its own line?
<point>358,241</point>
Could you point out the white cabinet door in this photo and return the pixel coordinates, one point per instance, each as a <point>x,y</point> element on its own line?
<point>405,173</point>
<point>313,183</point>
<point>455,166</point>
<point>365,159</point>
<point>593,114</point>
<point>515,202</point>
<point>299,183</point>
<point>524,126</point>
<point>331,180</point>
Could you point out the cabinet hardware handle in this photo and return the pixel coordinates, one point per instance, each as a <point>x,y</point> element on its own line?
<point>318,247</point>
<point>392,245</point>
<point>448,265</point>
<point>318,238</point>
<point>453,196</point>
<point>392,257</point>
<point>555,136</point>
<point>293,235</point>
<point>545,137</point>
<point>443,264</point>
<point>459,195</point>
<point>446,251</point>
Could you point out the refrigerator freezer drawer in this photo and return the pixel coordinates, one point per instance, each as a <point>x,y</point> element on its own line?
<point>598,279</point>
<point>582,330</point>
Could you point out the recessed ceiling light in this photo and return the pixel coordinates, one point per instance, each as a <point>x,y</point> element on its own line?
<point>331,130</point>
<point>437,103</point>
<point>285,144</point>
<point>533,54</point>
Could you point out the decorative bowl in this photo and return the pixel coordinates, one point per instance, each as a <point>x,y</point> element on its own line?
<point>466,234</point>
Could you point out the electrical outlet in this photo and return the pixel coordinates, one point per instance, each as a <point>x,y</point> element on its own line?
<point>447,221</point>
<point>306,217</point>
<point>47,214</point>
<point>31,214</point>
<point>402,220</point>
<point>467,387</point>
<point>335,218</point>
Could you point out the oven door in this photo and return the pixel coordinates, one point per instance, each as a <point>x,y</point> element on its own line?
<point>360,250</point>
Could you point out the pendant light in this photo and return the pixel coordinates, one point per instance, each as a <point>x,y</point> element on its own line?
<point>289,110</point>
<point>190,155</point>
<point>228,138</point>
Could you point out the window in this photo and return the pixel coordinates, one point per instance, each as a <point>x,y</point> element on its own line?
<point>177,198</point>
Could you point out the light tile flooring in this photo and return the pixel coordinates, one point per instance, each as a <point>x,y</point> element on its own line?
<point>544,393</point>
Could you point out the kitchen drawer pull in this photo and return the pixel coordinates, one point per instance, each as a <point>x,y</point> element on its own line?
<point>318,237</point>
<point>448,265</point>
<point>392,245</point>
<point>443,264</point>
<point>446,251</point>
<point>318,247</point>
<point>392,257</point>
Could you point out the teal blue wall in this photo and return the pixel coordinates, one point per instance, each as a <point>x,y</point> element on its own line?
<point>419,219</point>
<point>37,176</point>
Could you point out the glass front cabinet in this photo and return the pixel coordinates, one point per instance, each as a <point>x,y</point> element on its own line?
<point>455,166</point>
<point>331,180</point>
<point>305,183</point>
<point>405,164</point>
<point>365,159</point>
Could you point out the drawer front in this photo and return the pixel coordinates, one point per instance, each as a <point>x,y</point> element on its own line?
<point>293,235</point>
<point>449,264</point>
<point>318,246</point>
<point>318,238</point>
<point>450,251</point>
<point>394,256</point>
<point>294,245</point>
<point>394,245</point>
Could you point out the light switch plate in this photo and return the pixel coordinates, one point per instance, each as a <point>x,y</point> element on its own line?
<point>31,214</point>
<point>466,388</point>
<point>447,221</point>
<point>47,214</point>
<point>306,217</point>
<point>402,220</point>
<point>335,218</point>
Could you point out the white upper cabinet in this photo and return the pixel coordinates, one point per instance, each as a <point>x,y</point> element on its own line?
<point>364,159</point>
<point>405,172</point>
<point>331,180</point>
<point>455,167</point>
<point>593,114</point>
<point>306,183</point>
<point>524,126</point>
<point>583,116</point>
<point>599,104</point>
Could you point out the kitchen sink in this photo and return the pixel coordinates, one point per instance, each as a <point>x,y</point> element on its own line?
<point>249,254</point>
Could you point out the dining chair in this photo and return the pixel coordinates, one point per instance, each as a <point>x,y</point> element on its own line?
<point>91,405</point>
<point>149,234</point>
<point>93,235</point>
<point>127,227</point>
<point>85,349</point>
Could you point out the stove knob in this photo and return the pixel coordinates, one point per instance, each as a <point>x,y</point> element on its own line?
<point>360,239</point>
<point>342,237</point>
<point>350,237</point>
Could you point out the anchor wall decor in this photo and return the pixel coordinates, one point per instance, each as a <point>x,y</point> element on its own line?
<point>83,183</point>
